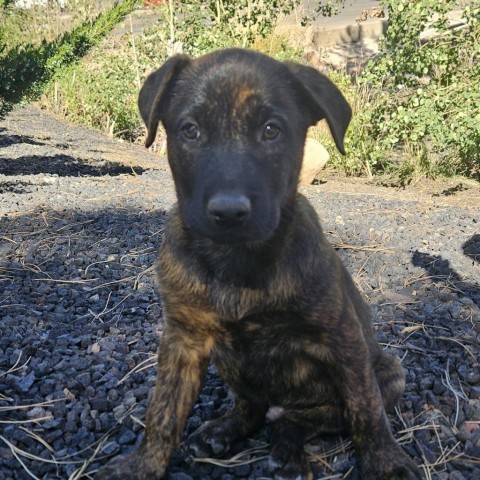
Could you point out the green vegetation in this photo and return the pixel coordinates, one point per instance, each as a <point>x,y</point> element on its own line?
<point>416,104</point>
<point>26,67</point>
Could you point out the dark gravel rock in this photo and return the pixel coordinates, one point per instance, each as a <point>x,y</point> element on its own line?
<point>80,317</point>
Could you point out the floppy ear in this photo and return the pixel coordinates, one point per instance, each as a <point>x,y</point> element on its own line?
<point>155,92</point>
<point>324,100</point>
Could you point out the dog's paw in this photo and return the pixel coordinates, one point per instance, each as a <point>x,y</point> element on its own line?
<point>398,472</point>
<point>118,468</point>
<point>396,466</point>
<point>404,472</point>
<point>133,467</point>
<point>285,465</point>
<point>210,440</point>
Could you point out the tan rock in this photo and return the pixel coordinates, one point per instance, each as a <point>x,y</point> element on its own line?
<point>315,157</point>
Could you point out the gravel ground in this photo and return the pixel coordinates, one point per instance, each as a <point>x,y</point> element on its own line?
<point>81,219</point>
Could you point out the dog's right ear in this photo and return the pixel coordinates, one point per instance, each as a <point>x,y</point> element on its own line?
<point>155,93</point>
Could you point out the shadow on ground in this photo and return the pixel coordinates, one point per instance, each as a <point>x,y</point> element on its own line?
<point>439,268</point>
<point>63,166</point>
<point>9,140</point>
<point>471,248</point>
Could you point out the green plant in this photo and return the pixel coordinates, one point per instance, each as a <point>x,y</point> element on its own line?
<point>364,154</point>
<point>112,108</point>
<point>203,26</point>
<point>211,24</point>
<point>22,26</point>
<point>425,91</point>
<point>5,3</point>
<point>25,69</point>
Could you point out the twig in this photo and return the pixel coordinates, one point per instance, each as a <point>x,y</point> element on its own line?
<point>237,459</point>
<point>362,248</point>
<point>135,56</point>
<point>21,422</point>
<point>72,282</point>
<point>461,344</point>
<point>38,438</point>
<point>31,405</point>
<point>143,365</point>
<point>15,451</point>
<point>446,381</point>
<point>15,367</point>
<point>96,316</point>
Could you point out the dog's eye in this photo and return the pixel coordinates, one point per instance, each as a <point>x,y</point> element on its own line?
<point>191,131</point>
<point>271,132</point>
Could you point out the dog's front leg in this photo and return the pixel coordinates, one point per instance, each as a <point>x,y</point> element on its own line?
<point>182,363</point>
<point>380,456</point>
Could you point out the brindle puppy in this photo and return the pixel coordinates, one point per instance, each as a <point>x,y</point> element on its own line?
<point>248,279</point>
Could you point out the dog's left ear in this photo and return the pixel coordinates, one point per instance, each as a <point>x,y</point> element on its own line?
<point>154,94</point>
<point>324,100</point>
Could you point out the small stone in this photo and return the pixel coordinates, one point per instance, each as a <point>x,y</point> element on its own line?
<point>180,476</point>
<point>426,382</point>
<point>476,392</point>
<point>130,401</point>
<point>126,436</point>
<point>39,412</point>
<point>110,448</point>
<point>119,413</point>
<point>455,310</point>
<point>100,404</point>
<point>24,383</point>
<point>242,470</point>
<point>52,435</point>
<point>456,476</point>
<point>438,387</point>
<point>122,348</point>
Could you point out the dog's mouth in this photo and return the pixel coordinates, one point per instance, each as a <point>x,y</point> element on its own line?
<point>231,235</point>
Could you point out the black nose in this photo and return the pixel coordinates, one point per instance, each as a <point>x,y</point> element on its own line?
<point>229,209</point>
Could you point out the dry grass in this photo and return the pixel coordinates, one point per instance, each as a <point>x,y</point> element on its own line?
<point>17,366</point>
<point>149,362</point>
<point>21,455</point>
<point>318,454</point>
<point>326,455</point>
<point>80,472</point>
<point>251,455</point>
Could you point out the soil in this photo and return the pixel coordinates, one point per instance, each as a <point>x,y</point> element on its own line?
<point>81,219</point>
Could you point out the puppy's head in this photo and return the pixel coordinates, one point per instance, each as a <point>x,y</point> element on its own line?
<point>236,122</point>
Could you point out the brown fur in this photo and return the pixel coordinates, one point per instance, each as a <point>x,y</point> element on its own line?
<point>248,279</point>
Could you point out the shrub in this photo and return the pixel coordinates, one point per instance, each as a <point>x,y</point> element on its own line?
<point>424,93</point>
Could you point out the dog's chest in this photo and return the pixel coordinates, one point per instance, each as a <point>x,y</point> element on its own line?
<point>234,302</point>
<point>236,287</point>
<point>277,355</point>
